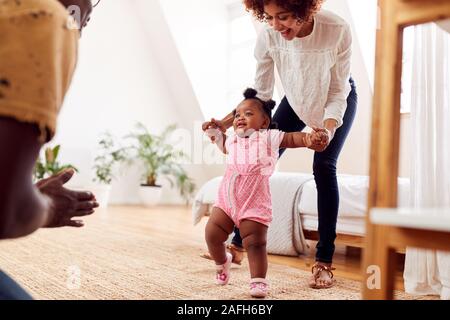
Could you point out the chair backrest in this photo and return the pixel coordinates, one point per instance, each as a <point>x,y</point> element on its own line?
<point>395,15</point>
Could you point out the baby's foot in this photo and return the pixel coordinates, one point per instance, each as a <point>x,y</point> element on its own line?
<point>322,276</point>
<point>259,288</point>
<point>223,271</point>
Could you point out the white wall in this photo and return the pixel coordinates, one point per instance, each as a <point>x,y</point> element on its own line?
<point>200,31</point>
<point>119,80</point>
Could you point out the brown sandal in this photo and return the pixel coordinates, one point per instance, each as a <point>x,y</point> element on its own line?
<point>236,252</point>
<point>319,269</point>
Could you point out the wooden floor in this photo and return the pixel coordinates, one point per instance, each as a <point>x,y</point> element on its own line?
<point>347,261</point>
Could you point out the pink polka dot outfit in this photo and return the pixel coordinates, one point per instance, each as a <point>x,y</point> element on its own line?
<point>244,193</point>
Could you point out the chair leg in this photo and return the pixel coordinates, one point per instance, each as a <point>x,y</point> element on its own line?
<point>380,266</point>
<point>380,282</point>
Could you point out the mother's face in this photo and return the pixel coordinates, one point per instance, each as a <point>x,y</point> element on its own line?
<point>282,20</point>
<point>85,10</point>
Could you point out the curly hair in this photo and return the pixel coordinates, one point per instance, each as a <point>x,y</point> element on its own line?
<point>302,9</point>
<point>267,106</point>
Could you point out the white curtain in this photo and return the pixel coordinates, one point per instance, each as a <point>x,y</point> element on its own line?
<point>428,272</point>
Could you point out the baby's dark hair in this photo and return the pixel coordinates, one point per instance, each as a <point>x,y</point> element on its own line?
<point>267,106</point>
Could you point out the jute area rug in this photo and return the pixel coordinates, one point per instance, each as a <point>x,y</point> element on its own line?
<point>110,259</point>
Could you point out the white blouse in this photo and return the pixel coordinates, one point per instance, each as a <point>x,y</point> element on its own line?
<point>314,70</point>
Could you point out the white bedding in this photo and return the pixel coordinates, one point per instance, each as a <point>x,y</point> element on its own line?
<point>350,226</point>
<point>353,191</point>
<point>285,235</point>
<point>205,197</point>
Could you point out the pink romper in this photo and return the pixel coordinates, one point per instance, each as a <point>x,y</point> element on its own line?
<point>244,193</point>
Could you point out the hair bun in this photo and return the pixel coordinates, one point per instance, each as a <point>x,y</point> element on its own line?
<point>271,104</point>
<point>250,93</point>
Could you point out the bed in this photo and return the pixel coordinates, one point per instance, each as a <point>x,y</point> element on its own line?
<point>295,216</point>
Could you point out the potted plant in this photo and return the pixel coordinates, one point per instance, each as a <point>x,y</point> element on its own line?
<point>160,159</point>
<point>104,165</point>
<point>49,165</point>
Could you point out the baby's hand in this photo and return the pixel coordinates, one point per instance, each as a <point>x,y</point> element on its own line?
<point>319,137</point>
<point>318,140</point>
<point>214,134</point>
<point>311,139</point>
<point>308,140</point>
<point>214,124</point>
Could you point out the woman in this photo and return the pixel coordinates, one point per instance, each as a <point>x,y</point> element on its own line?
<point>312,52</point>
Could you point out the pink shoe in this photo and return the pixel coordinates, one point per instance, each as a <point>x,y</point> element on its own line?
<point>223,271</point>
<point>259,288</point>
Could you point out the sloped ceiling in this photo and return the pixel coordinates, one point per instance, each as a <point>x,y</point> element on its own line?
<point>170,62</point>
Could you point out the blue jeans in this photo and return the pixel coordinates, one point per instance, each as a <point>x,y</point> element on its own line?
<point>324,169</point>
<point>10,290</point>
<point>237,240</point>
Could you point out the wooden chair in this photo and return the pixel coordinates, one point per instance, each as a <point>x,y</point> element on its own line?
<point>388,230</point>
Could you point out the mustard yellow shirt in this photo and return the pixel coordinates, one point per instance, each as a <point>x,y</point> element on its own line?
<point>38,54</point>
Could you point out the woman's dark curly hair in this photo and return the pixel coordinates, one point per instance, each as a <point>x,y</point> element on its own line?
<point>267,106</point>
<point>302,9</point>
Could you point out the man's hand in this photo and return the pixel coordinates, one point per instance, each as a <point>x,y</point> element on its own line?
<point>66,204</point>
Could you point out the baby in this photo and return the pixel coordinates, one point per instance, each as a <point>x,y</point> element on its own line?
<point>244,198</point>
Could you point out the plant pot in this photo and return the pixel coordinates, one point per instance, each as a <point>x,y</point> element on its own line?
<point>150,195</point>
<point>101,193</point>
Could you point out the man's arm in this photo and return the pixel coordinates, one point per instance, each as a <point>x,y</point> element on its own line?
<point>23,209</point>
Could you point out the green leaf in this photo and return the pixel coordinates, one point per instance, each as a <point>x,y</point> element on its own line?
<point>160,157</point>
<point>49,165</point>
<point>56,152</point>
<point>110,153</point>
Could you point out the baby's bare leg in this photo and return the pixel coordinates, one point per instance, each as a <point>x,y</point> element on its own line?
<point>254,236</point>
<point>217,230</point>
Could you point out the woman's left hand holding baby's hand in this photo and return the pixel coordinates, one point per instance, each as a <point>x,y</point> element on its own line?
<point>319,139</point>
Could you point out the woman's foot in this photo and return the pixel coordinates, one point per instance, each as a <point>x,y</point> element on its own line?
<point>236,252</point>
<point>223,271</point>
<point>322,276</point>
<point>259,288</point>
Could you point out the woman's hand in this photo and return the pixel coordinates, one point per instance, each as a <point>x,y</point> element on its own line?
<point>214,124</point>
<point>319,140</point>
<point>214,129</point>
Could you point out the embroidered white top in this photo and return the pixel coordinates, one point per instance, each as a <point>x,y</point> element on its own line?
<point>314,70</point>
